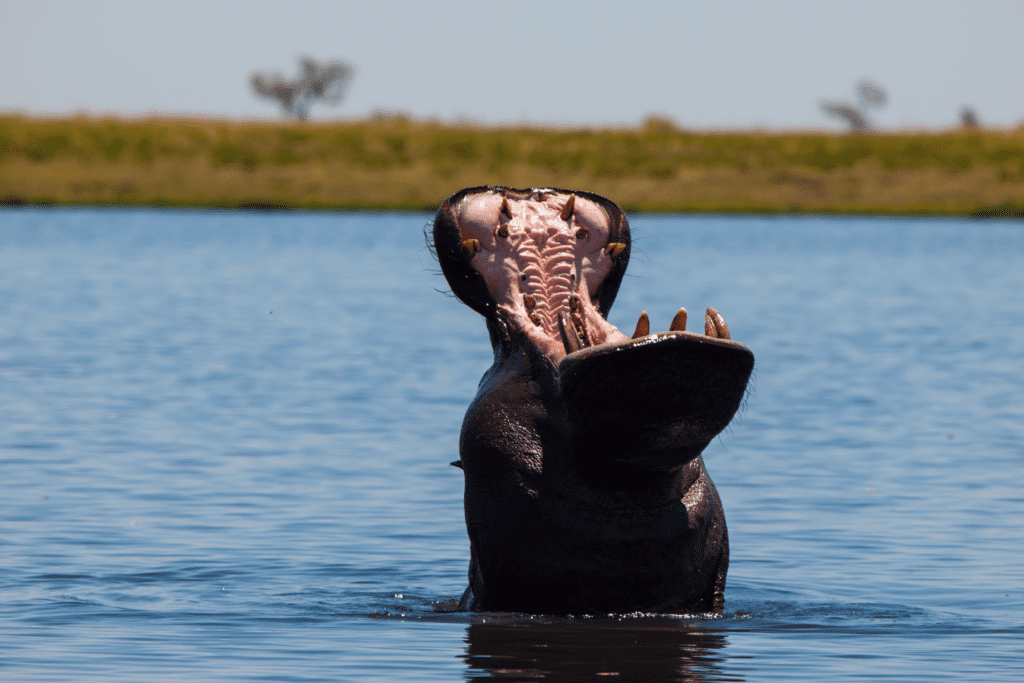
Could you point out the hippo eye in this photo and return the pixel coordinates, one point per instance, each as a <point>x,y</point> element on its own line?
<point>582,233</point>
<point>503,231</point>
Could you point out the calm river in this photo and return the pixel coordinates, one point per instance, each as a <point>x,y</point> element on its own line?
<point>225,437</point>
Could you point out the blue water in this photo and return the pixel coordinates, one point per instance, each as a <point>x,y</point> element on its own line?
<point>225,437</point>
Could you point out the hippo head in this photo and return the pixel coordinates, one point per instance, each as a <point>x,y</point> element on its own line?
<point>545,262</point>
<point>543,267</point>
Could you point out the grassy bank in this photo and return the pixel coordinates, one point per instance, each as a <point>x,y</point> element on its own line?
<point>395,163</point>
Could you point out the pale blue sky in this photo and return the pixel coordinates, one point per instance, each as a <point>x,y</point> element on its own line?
<point>725,64</point>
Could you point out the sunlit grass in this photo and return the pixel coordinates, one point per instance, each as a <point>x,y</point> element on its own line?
<point>396,163</point>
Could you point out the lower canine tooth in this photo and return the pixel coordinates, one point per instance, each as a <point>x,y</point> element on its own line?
<point>679,322</point>
<point>643,326</point>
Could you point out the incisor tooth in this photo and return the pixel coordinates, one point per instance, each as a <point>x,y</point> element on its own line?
<point>679,322</point>
<point>714,325</point>
<point>615,248</point>
<point>643,326</point>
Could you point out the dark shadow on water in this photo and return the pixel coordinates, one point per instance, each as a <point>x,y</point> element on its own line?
<point>517,648</point>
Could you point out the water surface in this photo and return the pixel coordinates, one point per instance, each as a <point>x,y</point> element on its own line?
<point>225,443</point>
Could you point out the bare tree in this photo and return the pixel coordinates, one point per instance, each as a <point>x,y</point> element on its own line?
<point>969,117</point>
<point>853,116</point>
<point>317,82</point>
<point>870,95</point>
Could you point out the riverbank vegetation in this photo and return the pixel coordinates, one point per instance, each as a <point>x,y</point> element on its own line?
<point>394,163</point>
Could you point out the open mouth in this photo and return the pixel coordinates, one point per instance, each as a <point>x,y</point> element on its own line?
<point>549,263</point>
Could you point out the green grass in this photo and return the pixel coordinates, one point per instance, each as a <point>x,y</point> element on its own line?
<point>396,163</point>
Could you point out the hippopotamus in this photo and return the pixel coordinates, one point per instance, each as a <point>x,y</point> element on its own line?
<point>585,489</point>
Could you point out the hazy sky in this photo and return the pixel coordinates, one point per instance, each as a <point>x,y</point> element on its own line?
<point>722,64</point>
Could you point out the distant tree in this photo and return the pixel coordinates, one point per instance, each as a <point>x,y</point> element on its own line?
<point>853,116</point>
<point>870,95</point>
<point>968,117</point>
<point>317,82</point>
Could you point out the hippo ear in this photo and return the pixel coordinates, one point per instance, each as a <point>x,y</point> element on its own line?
<point>618,232</point>
<point>467,284</point>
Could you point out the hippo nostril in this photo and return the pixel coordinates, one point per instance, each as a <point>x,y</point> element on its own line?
<point>503,231</point>
<point>582,233</point>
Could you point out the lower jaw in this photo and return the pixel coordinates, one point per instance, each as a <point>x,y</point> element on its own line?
<point>655,401</point>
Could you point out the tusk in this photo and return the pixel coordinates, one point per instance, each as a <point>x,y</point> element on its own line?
<point>615,248</point>
<point>567,209</point>
<point>471,246</point>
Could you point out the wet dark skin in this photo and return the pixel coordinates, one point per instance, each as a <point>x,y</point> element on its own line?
<point>585,488</point>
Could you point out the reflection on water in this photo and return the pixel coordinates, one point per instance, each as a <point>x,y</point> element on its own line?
<point>628,649</point>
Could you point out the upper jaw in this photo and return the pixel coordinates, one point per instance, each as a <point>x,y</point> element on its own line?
<point>545,257</point>
<point>547,262</point>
